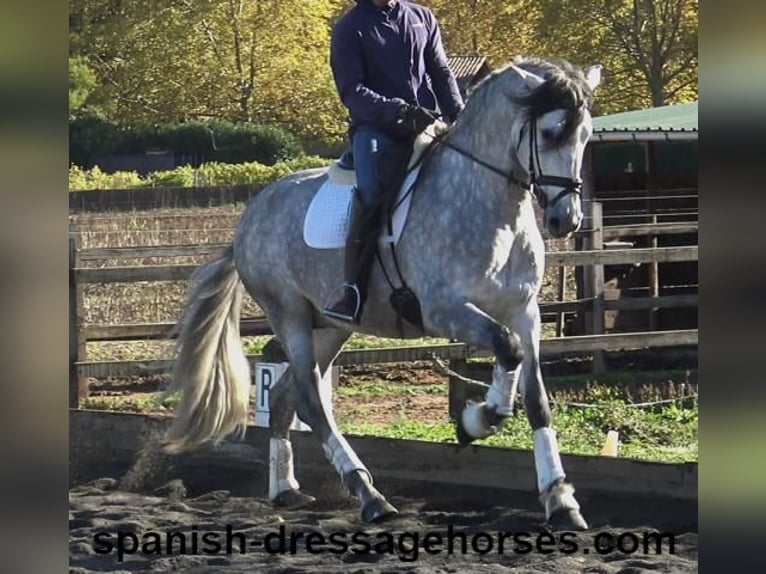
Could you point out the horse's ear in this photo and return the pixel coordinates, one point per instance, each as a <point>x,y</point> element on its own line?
<point>532,80</point>
<point>593,76</point>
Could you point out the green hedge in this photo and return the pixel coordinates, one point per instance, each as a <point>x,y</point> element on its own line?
<point>209,174</point>
<point>214,141</point>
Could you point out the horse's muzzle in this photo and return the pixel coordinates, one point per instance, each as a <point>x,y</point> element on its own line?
<point>560,223</point>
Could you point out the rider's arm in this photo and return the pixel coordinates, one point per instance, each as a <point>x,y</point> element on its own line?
<point>348,71</point>
<point>442,79</point>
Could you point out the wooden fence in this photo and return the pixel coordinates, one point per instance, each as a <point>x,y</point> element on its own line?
<point>116,200</point>
<point>101,441</point>
<point>593,305</point>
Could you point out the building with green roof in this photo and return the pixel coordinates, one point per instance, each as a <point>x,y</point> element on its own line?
<point>641,166</point>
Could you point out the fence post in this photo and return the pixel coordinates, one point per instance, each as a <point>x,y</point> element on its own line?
<point>595,274</point>
<point>562,277</point>
<point>457,389</point>
<point>654,279</point>
<point>78,386</point>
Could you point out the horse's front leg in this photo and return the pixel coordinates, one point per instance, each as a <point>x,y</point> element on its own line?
<point>483,419</point>
<point>466,322</point>
<point>557,496</point>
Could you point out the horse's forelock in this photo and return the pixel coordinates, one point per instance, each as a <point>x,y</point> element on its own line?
<point>565,87</point>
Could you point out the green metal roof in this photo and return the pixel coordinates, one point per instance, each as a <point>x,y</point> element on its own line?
<point>666,122</point>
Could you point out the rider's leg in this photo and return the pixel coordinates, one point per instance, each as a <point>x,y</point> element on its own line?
<point>369,146</point>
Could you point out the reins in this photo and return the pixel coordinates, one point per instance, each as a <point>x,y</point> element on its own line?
<point>403,293</point>
<point>537,177</point>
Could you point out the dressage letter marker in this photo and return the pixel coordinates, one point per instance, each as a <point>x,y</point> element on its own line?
<point>266,375</point>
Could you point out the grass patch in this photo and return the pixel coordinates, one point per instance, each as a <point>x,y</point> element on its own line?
<point>667,436</point>
<point>140,403</point>
<point>664,432</point>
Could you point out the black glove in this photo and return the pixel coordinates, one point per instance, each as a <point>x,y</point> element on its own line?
<point>416,118</point>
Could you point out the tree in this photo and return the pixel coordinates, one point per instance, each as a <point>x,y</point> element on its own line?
<point>659,41</point>
<point>498,30</point>
<point>82,81</point>
<point>648,47</point>
<point>162,60</point>
<point>267,61</point>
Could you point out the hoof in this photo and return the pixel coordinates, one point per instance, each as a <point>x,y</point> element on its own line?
<point>477,421</point>
<point>463,438</point>
<point>567,519</point>
<point>378,510</point>
<point>292,499</point>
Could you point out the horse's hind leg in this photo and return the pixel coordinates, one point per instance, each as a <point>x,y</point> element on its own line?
<point>557,496</point>
<point>294,331</point>
<point>284,489</point>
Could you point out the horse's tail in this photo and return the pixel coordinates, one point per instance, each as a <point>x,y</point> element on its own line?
<point>211,369</point>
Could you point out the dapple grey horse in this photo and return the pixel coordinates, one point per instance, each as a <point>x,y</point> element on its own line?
<point>471,251</point>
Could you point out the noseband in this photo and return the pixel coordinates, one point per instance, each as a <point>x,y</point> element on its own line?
<point>536,176</point>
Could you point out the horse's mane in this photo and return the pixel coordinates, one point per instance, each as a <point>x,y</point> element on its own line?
<point>564,88</point>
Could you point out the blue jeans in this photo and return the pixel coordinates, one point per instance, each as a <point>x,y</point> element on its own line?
<point>369,145</point>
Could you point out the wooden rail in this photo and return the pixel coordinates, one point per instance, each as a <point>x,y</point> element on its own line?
<point>100,437</point>
<point>144,331</point>
<point>585,343</point>
<point>552,259</point>
<point>146,251</point>
<point>255,326</point>
<point>142,252</point>
<point>99,200</point>
<point>644,229</point>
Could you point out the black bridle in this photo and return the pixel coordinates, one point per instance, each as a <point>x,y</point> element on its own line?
<point>536,176</point>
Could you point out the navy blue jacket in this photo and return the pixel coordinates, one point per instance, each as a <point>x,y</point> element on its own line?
<point>381,58</point>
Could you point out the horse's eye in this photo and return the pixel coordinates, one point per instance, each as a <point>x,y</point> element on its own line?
<point>548,134</point>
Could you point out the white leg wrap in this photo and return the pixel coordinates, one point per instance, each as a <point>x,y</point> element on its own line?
<point>502,392</point>
<point>342,456</point>
<point>281,477</point>
<point>547,459</point>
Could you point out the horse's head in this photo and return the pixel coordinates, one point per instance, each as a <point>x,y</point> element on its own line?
<point>550,137</point>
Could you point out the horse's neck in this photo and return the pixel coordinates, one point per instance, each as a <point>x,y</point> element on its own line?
<point>481,188</point>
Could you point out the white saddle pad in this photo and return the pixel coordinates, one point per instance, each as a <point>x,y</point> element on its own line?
<point>326,221</point>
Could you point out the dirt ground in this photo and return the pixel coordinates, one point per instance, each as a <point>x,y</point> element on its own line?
<point>399,545</point>
<point>381,410</point>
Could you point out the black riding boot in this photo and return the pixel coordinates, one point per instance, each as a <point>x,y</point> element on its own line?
<point>360,242</point>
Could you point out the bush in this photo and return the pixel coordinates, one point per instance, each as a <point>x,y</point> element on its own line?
<point>182,176</point>
<point>96,179</point>
<point>265,144</point>
<point>91,136</point>
<point>209,174</point>
<point>191,142</point>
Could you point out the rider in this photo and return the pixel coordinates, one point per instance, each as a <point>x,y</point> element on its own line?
<point>382,53</point>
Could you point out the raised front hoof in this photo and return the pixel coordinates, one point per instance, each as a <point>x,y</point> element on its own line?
<point>567,519</point>
<point>378,510</point>
<point>292,499</point>
<point>477,421</point>
<point>463,438</point>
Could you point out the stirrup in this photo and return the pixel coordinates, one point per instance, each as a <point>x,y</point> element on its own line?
<point>329,312</point>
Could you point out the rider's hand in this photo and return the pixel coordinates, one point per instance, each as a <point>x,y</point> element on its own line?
<point>416,117</point>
